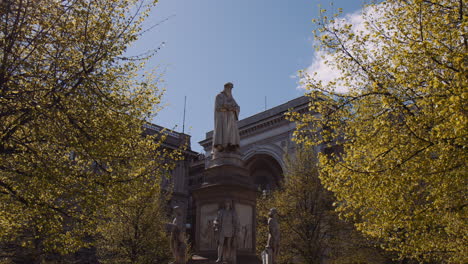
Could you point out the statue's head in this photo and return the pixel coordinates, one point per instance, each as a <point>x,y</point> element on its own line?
<point>272,212</point>
<point>177,210</point>
<point>228,204</point>
<point>228,85</point>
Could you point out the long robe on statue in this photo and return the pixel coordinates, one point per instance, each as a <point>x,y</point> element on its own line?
<point>226,132</point>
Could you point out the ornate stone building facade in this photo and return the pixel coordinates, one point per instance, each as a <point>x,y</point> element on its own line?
<point>179,175</point>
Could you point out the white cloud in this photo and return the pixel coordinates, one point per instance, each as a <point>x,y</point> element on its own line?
<point>322,67</point>
<point>323,71</point>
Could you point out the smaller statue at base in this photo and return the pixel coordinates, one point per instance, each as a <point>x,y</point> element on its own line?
<point>177,230</point>
<point>226,228</point>
<point>270,254</point>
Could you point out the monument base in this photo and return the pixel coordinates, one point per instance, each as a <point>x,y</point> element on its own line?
<point>225,180</point>
<point>225,158</point>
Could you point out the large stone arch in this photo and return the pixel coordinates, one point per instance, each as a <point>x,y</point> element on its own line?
<point>265,171</point>
<point>276,152</point>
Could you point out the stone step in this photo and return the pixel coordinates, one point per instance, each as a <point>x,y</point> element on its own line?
<point>240,260</point>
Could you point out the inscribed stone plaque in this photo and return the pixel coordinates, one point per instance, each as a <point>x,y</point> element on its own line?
<point>208,213</point>
<point>245,214</point>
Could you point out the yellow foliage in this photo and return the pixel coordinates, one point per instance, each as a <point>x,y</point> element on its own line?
<point>71,117</point>
<point>133,230</point>
<point>310,230</point>
<point>403,126</point>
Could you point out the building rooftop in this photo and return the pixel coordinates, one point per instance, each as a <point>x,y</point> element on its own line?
<point>173,140</point>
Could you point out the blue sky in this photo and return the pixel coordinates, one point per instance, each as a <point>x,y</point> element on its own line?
<point>259,45</point>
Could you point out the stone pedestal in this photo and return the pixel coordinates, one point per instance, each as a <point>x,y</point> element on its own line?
<point>225,179</point>
<point>267,256</point>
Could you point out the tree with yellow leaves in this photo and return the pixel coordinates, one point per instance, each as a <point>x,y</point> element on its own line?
<point>134,228</point>
<point>402,124</point>
<point>311,232</point>
<point>72,108</point>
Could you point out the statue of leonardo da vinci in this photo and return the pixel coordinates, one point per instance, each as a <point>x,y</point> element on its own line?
<point>226,132</point>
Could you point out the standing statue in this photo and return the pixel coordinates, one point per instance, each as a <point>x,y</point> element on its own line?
<point>270,254</point>
<point>226,227</point>
<point>177,229</point>
<point>226,132</point>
